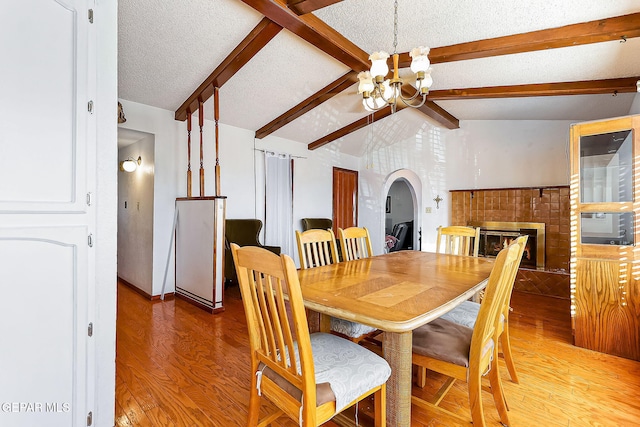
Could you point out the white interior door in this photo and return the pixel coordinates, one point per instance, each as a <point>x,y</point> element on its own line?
<point>47,171</point>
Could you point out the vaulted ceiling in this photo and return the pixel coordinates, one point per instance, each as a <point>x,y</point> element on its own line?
<point>290,70</point>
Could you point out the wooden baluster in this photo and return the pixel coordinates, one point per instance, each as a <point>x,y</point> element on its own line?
<point>216,116</point>
<point>201,120</point>
<point>188,153</point>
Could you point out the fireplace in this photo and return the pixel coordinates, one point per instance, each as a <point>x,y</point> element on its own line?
<point>496,235</point>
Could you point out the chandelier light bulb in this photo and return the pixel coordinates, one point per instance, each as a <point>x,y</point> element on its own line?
<point>379,67</point>
<point>366,82</point>
<point>428,80</point>
<point>420,60</point>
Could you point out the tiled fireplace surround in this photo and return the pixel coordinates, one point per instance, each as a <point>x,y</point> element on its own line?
<point>549,205</point>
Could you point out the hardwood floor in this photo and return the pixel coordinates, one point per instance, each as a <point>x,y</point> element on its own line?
<point>177,365</point>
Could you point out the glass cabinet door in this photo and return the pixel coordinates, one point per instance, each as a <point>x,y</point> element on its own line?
<point>606,167</point>
<point>606,176</point>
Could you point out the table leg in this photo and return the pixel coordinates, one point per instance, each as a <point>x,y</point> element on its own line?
<point>397,351</point>
<point>325,323</point>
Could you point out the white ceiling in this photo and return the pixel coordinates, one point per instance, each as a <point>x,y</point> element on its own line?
<point>167,49</point>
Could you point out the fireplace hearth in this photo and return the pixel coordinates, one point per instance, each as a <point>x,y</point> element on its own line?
<point>495,235</point>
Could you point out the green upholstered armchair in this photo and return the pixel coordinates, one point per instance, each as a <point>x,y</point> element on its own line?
<point>313,223</point>
<point>243,232</point>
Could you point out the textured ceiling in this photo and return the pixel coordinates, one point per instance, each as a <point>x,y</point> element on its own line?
<point>166,49</point>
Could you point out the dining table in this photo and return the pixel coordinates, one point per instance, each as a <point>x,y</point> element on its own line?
<point>395,293</point>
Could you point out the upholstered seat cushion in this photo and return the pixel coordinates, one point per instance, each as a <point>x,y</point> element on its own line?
<point>465,314</point>
<point>350,329</point>
<point>352,370</point>
<point>443,340</point>
<point>344,370</point>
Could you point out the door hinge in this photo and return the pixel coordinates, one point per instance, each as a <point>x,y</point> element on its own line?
<point>91,16</point>
<point>90,418</point>
<point>90,329</point>
<point>89,199</point>
<point>90,240</point>
<point>90,107</point>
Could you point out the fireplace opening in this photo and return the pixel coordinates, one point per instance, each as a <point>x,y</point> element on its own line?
<point>494,236</point>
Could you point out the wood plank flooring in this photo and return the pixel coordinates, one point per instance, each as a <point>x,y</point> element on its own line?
<point>177,365</point>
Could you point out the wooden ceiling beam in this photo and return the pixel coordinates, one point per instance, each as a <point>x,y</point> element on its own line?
<point>302,7</point>
<point>440,115</point>
<point>247,49</point>
<point>615,28</point>
<point>308,104</point>
<point>601,30</point>
<point>359,124</point>
<point>313,30</point>
<point>430,109</point>
<point>586,87</point>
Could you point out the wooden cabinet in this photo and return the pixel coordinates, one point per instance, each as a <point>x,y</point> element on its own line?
<point>605,234</point>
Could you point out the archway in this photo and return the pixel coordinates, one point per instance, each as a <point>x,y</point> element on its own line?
<point>414,185</point>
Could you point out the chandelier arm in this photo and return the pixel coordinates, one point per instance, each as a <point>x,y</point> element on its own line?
<point>409,104</point>
<point>410,98</point>
<point>373,107</point>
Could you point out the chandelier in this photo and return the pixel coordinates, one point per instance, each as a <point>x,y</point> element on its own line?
<point>377,92</point>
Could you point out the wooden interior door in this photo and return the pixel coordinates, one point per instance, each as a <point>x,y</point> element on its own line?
<point>605,279</point>
<point>345,198</point>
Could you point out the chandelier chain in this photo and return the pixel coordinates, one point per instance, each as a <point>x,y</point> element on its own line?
<point>395,26</point>
<point>378,93</point>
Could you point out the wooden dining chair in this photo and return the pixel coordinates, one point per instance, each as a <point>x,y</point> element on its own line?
<point>355,243</point>
<point>466,314</point>
<point>308,377</point>
<point>458,240</point>
<point>317,248</point>
<point>467,354</point>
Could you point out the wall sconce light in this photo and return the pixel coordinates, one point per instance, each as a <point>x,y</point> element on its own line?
<point>638,85</point>
<point>130,165</point>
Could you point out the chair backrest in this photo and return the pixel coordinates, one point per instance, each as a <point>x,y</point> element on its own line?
<point>355,243</point>
<point>313,223</point>
<point>399,232</point>
<point>522,243</point>
<point>458,240</point>
<point>244,232</point>
<point>498,288</point>
<point>266,282</point>
<point>316,248</point>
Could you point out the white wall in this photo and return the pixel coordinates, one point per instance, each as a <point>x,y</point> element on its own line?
<point>481,154</point>
<point>135,216</point>
<point>161,124</point>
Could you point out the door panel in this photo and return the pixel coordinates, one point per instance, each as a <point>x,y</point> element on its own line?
<point>44,294</point>
<point>43,163</point>
<point>608,288</point>
<point>345,198</point>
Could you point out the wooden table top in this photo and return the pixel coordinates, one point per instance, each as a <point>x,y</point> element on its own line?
<point>395,292</point>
